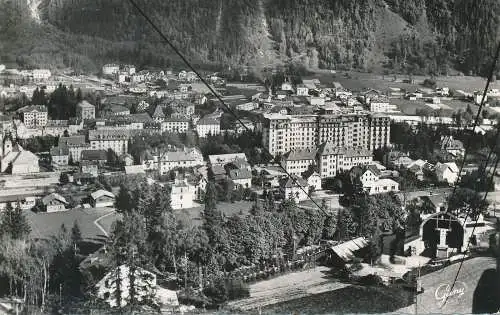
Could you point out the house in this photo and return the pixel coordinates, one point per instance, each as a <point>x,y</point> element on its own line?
<point>54,203</point>
<point>102,198</point>
<point>313,181</point>
<point>114,139</point>
<point>117,282</point>
<point>208,126</point>
<point>134,169</point>
<point>447,172</point>
<point>302,90</point>
<point>56,128</point>
<point>369,177</point>
<point>110,69</point>
<point>241,178</point>
<point>85,110</point>
<point>89,168</point>
<point>182,194</point>
<point>298,161</point>
<point>126,159</point>
<point>169,160</point>
<point>177,125</point>
<point>97,156</point>
<point>158,114</point>
<point>452,146</point>
<point>41,74</point>
<point>59,156</point>
<point>419,168</point>
<point>294,187</point>
<point>286,86</point>
<point>397,159</point>
<point>341,254</point>
<point>223,159</point>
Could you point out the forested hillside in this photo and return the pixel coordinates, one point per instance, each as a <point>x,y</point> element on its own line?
<point>417,36</point>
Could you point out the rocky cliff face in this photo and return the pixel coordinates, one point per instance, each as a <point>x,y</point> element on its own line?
<point>405,36</point>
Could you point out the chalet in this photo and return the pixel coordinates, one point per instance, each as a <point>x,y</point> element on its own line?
<point>102,198</point>
<point>95,156</point>
<point>447,172</point>
<point>294,187</point>
<point>59,156</point>
<point>54,203</point>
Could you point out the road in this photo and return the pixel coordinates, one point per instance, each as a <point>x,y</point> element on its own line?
<point>287,287</point>
<point>475,289</point>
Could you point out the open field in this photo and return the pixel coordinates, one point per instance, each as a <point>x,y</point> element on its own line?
<point>45,225</point>
<point>360,81</point>
<point>448,106</point>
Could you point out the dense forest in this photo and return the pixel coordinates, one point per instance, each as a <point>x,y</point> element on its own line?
<point>410,36</point>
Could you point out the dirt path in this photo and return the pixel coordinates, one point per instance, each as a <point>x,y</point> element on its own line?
<point>287,287</point>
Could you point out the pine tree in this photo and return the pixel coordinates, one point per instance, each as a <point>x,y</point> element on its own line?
<point>76,234</point>
<point>14,223</point>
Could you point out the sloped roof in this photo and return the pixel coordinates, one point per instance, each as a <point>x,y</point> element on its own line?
<point>72,141</point>
<point>85,104</point>
<point>297,155</point>
<point>58,151</point>
<point>94,155</point>
<point>345,251</point>
<point>372,168</point>
<point>101,192</point>
<point>159,112</point>
<point>289,182</point>
<point>53,196</point>
<point>240,174</point>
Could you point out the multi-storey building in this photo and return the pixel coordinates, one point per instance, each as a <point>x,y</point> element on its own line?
<point>298,161</point>
<point>85,110</point>
<point>283,133</point>
<point>208,126</point>
<point>34,116</point>
<point>177,125</point>
<point>333,159</point>
<point>75,145</point>
<point>114,139</point>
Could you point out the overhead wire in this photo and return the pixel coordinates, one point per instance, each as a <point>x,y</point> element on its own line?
<point>219,98</point>
<point>492,150</point>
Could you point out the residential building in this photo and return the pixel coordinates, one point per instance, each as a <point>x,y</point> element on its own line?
<point>75,145</point>
<point>241,177</point>
<point>89,168</point>
<point>447,172</point>
<point>380,105</point>
<point>223,159</point>
<point>102,198</point>
<point>295,188</point>
<point>182,194</point>
<point>298,161</point>
<point>397,159</point>
<point>369,176</point>
<point>110,69</point>
<point>158,114</point>
<point>419,168</point>
<point>118,110</point>
<point>332,159</point>
<point>286,86</point>
<point>59,156</point>
<point>313,181</point>
<point>54,203</point>
<point>99,157</point>
<point>56,128</point>
<point>114,139</point>
<point>177,125</point>
<point>41,74</point>
<point>134,169</point>
<point>302,90</point>
<point>452,146</point>
<point>34,116</point>
<point>208,126</point>
<point>282,133</point>
<point>170,160</point>
<point>85,110</point>
<point>117,282</point>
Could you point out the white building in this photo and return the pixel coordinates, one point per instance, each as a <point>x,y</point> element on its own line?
<point>114,139</point>
<point>222,159</point>
<point>314,181</point>
<point>102,198</point>
<point>182,195</point>
<point>207,126</point>
<point>381,105</point>
<point>177,125</point>
<point>185,158</point>
<point>282,133</point>
<point>241,178</point>
<point>447,172</point>
<point>332,159</point>
<point>110,69</point>
<point>85,110</point>
<point>295,188</point>
<point>34,116</point>
<point>16,160</point>
<point>302,90</point>
<point>298,161</point>
<point>76,145</point>
<point>41,74</point>
<point>54,203</point>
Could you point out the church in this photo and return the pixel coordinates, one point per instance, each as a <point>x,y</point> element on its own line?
<point>16,160</point>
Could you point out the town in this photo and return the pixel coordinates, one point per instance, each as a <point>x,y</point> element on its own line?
<point>144,174</point>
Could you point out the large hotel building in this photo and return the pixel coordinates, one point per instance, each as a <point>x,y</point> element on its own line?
<point>360,130</point>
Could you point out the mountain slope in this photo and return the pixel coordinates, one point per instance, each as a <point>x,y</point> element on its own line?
<point>418,36</point>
